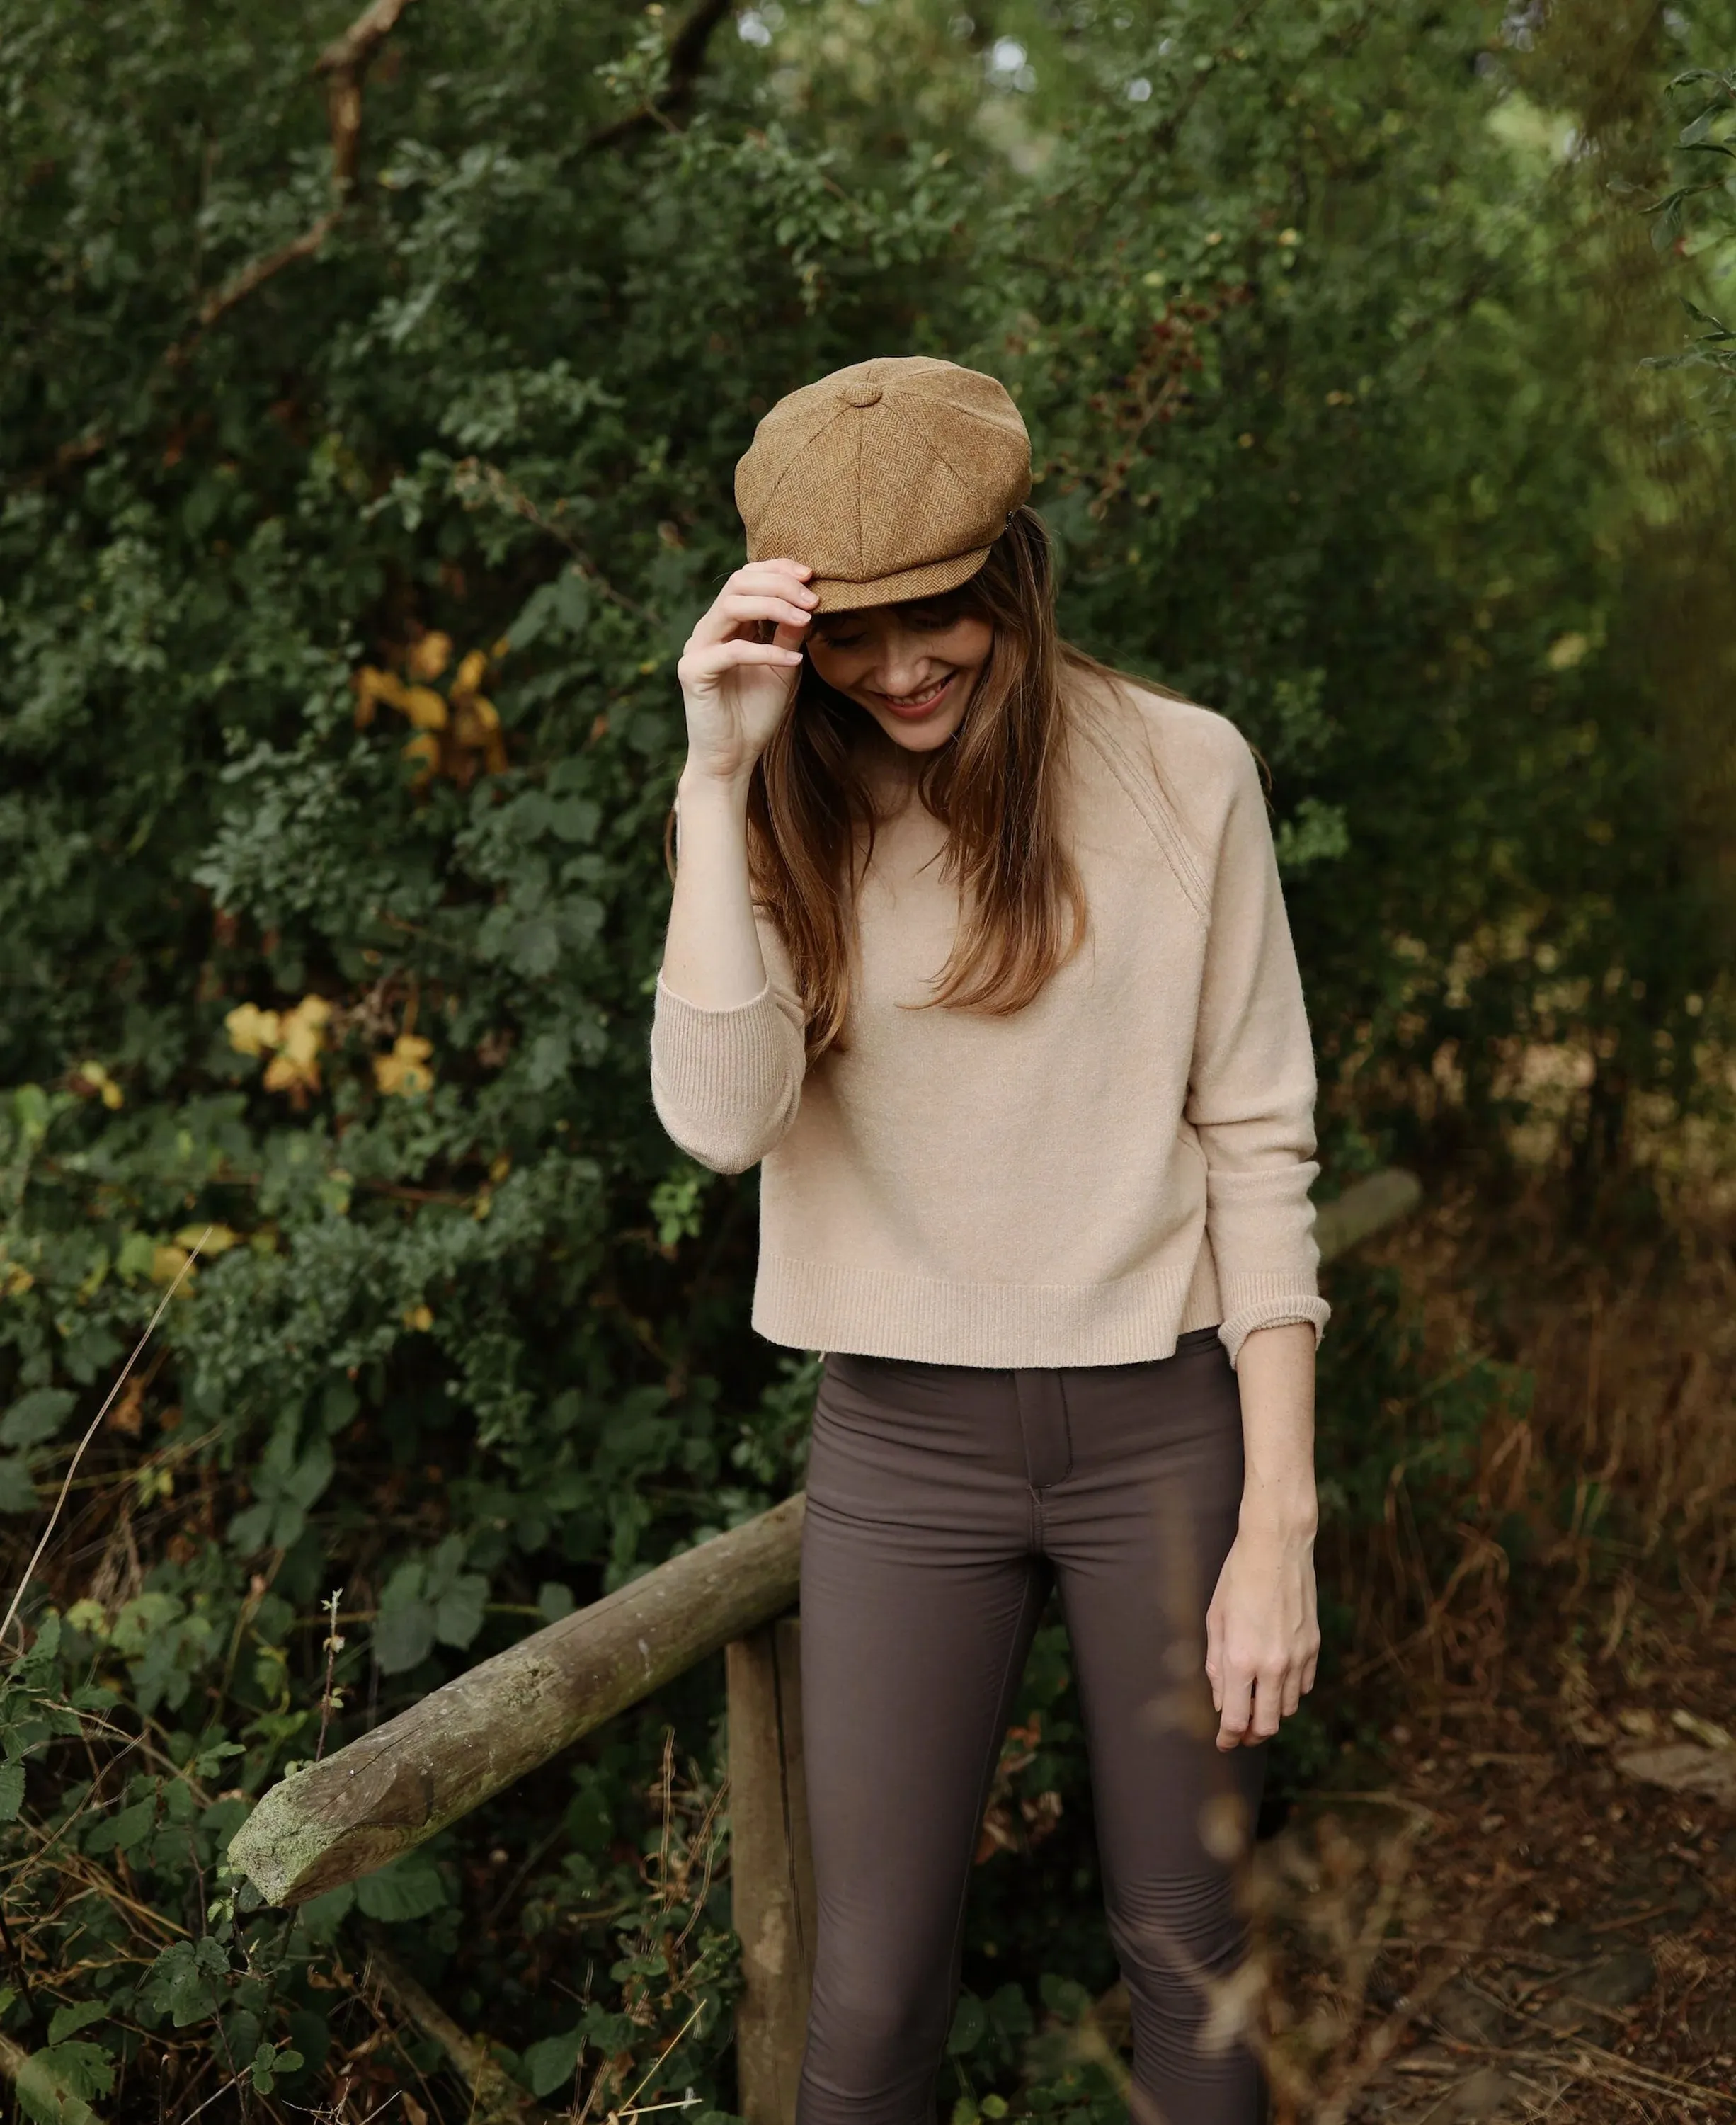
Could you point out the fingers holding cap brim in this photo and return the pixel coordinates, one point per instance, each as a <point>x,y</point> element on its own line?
<point>932,580</point>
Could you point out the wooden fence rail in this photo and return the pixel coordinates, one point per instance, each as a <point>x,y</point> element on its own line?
<point>450,1751</point>
<point>389,1791</point>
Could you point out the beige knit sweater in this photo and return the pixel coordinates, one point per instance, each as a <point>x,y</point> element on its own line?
<point>1126,1158</point>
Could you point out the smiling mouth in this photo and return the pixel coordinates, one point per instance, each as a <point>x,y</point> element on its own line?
<point>918,704</point>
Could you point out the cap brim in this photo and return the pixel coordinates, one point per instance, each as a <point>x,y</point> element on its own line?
<point>931,580</point>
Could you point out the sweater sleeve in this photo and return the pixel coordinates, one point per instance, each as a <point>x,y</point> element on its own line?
<point>1251,1090</point>
<point>727,1084</point>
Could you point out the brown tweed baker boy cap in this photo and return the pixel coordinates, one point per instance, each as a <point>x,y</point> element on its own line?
<point>891,479</point>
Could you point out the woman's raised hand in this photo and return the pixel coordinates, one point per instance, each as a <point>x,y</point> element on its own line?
<point>736,684</point>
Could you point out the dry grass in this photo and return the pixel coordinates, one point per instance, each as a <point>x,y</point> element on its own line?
<point>1501,1923</point>
<point>1511,1927</point>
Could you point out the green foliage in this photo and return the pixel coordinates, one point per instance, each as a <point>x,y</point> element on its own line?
<point>339,727</point>
<point>1698,214</point>
<point>54,2083</point>
<point>423,1602</point>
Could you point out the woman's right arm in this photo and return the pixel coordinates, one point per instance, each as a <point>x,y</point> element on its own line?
<point>727,1042</point>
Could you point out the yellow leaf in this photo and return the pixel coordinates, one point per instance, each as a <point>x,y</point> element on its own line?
<point>429,657</point>
<point>16,1281</point>
<point>252,1031</point>
<point>301,1042</point>
<point>478,728</point>
<point>299,1035</point>
<point>1566,651</point>
<point>370,684</point>
<point>470,673</point>
<point>217,1239</point>
<point>382,687</point>
<point>303,1031</point>
<point>282,1075</point>
<point>418,1316</point>
<point>499,649</point>
<point>425,708</point>
<point>167,1264</point>
<point>92,1077</point>
<point>404,1072</point>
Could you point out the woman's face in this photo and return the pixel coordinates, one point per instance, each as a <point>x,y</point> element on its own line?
<point>913,667</point>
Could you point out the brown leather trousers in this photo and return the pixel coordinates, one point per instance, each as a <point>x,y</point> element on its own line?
<point>944,1501</point>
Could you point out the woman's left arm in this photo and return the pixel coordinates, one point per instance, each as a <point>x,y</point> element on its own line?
<point>1262,1633</point>
<point>1250,1100</point>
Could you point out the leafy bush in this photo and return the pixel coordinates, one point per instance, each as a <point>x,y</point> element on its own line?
<point>1698,211</point>
<point>360,491</point>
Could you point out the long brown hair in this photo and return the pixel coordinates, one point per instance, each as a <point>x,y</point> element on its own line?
<point>996,786</point>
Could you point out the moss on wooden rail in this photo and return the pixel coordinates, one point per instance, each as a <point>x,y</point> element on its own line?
<point>387,1792</point>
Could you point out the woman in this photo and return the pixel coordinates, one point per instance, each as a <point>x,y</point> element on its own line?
<point>981,949</point>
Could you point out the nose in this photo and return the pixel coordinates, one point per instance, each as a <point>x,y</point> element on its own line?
<point>905,668</point>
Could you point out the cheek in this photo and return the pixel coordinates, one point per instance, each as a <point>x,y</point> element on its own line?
<point>969,645</point>
<point>834,666</point>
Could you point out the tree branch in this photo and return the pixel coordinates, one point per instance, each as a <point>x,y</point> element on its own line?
<point>495,2098</point>
<point>252,276</point>
<point>343,66</point>
<point>344,63</point>
<point>686,63</point>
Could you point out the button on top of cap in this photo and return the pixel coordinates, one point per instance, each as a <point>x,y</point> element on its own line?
<point>862,394</point>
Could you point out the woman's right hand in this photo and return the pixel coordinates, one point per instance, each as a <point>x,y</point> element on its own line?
<point>738,687</point>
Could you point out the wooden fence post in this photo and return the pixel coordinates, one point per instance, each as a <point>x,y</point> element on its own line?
<point>771,1868</point>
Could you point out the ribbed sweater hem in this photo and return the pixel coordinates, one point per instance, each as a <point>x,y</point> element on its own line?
<point>886,1313</point>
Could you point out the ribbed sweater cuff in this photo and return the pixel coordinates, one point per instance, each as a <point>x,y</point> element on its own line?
<point>1269,1300</point>
<point>717,1061</point>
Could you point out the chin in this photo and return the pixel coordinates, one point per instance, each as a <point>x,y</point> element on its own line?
<point>921,737</point>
